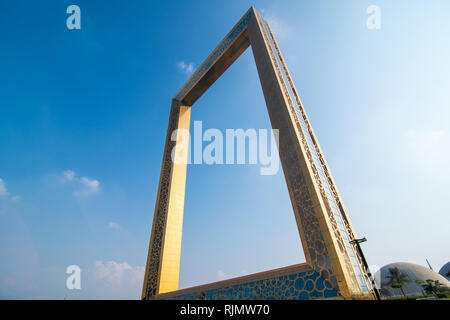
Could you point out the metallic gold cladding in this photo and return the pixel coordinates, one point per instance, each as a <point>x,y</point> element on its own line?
<point>343,269</point>
<point>163,261</point>
<point>218,52</point>
<point>349,234</point>
<point>333,268</point>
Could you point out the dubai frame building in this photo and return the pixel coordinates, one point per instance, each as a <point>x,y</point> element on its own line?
<point>335,266</point>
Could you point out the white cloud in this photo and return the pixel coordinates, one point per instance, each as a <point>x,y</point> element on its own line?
<point>3,190</point>
<point>85,186</point>
<point>280,29</point>
<point>187,68</point>
<point>69,175</point>
<point>113,225</point>
<point>223,276</point>
<point>118,274</point>
<point>90,185</point>
<point>429,147</point>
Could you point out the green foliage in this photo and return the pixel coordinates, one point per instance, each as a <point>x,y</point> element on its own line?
<point>396,285</point>
<point>396,279</point>
<point>395,276</point>
<point>432,286</point>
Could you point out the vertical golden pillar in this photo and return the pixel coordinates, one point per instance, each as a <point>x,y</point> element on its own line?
<point>163,260</point>
<point>322,222</point>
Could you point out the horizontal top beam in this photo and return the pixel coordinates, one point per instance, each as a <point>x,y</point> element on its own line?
<point>222,57</point>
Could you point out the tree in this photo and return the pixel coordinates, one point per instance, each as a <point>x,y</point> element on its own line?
<point>385,293</point>
<point>397,279</point>
<point>432,286</point>
<point>420,283</point>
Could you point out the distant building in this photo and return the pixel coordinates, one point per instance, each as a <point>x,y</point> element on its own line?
<point>445,271</point>
<point>414,272</point>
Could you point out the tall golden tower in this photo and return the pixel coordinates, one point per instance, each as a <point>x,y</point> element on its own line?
<point>335,266</point>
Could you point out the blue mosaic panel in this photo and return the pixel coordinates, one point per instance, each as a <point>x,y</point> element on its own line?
<point>298,286</point>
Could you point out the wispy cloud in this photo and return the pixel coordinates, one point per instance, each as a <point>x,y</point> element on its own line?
<point>3,191</point>
<point>113,225</point>
<point>85,186</point>
<point>118,274</point>
<point>429,147</point>
<point>187,68</point>
<point>280,29</point>
<point>68,175</point>
<point>223,276</point>
<point>90,186</point>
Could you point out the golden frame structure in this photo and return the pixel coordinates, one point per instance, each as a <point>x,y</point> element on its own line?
<point>335,266</point>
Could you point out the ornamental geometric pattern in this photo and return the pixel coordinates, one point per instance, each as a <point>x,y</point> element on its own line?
<point>335,267</point>
<point>295,286</point>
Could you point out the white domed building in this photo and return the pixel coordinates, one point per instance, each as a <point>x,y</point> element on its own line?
<point>445,271</point>
<point>414,272</point>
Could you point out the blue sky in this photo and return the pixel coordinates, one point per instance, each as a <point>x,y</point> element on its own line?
<point>83,117</point>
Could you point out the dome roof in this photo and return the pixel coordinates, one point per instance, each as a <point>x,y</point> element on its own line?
<point>445,271</point>
<point>414,272</point>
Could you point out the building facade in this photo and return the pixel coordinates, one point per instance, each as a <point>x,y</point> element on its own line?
<point>335,266</point>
